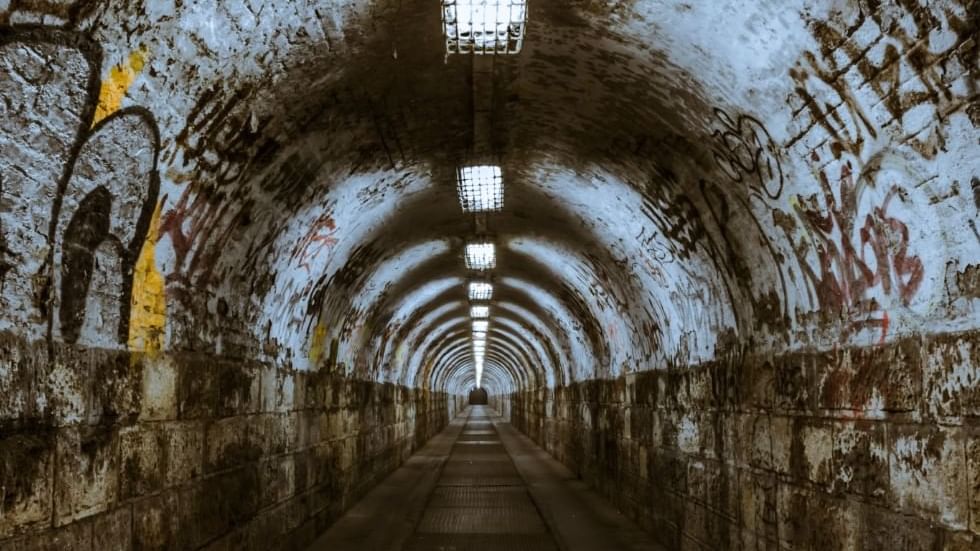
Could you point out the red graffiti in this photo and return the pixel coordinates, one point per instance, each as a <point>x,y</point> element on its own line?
<point>198,232</point>
<point>856,254</point>
<point>319,237</point>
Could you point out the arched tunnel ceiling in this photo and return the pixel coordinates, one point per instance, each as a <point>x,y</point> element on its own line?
<point>681,178</point>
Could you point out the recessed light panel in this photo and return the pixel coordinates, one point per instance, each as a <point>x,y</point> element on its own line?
<point>480,312</point>
<point>480,291</point>
<point>481,325</point>
<point>484,26</point>
<point>481,256</point>
<point>481,188</point>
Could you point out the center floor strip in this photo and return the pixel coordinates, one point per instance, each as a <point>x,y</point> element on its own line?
<point>480,485</point>
<point>480,501</point>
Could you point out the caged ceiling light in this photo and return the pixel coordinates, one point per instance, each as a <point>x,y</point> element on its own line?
<point>481,189</point>
<point>481,326</point>
<point>480,312</point>
<point>480,291</point>
<point>484,26</point>
<point>480,256</point>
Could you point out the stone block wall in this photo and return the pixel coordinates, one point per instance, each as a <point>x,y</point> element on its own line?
<point>113,450</point>
<point>859,448</point>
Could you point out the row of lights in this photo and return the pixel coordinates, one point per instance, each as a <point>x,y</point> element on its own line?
<point>481,190</point>
<point>482,27</point>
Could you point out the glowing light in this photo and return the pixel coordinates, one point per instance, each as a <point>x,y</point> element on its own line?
<point>480,312</point>
<point>480,256</point>
<point>481,188</point>
<point>484,26</point>
<point>481,325</point>
<point>481,291</point>
<point>479,371</point>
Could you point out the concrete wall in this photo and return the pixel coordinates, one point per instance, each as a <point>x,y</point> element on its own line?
<point>857,448</point>
<point>105,449</point>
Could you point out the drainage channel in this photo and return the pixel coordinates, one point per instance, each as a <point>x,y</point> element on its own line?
<point>480,502</point>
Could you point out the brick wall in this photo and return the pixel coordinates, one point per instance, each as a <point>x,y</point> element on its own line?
<point>861,448</point>
<point>112,450</point>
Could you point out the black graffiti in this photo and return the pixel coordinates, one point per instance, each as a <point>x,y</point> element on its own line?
<point>907,54</point>
<point>5,253</point>
<point>93,184</point>
<point>746,153</point>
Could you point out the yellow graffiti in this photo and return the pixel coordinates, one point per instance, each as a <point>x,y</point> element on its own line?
<point>115,86</point>
<point>148,314</point>
<point>316,344</point>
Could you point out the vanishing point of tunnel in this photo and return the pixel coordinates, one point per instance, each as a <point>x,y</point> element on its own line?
<point>488,275</point>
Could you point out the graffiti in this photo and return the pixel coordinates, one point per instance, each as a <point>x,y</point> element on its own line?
<point>5,253</point>
<point>910,60</point>
<point>67,12</point>
<point>745,153</point>
<point>102,179</point>
<point>115,86</point>
<point>149,303</point>
<point>319,237</point>
<point>220,140</point>
<point>860,258</point>
<point>677,218</point>
<point>191,219</point>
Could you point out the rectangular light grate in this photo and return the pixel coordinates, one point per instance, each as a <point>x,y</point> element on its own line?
<point>480,256</point>
<point>480,291</point>
<point>481,325</point>
<point>480,188</point>
<point>480,312</point>
<point>484,26</point>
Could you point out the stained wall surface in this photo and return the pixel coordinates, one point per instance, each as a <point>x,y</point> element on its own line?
<point>737,287</point>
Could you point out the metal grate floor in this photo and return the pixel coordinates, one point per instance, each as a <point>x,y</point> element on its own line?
<point>480,502</point>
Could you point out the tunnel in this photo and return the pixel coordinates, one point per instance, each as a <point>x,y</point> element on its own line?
<point>714,266</point>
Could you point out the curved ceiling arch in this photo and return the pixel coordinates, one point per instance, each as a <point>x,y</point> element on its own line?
<point>501,348</point>
<point>704,198</point>
<point>455,336</point>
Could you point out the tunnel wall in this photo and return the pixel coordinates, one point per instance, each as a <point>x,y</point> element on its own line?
<point>104,449</point>
<point>855,448</point>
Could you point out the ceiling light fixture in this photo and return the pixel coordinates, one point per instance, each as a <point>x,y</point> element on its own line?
<point>480,312</point>
<point>481,256</point>
<point>484,26</point>
<point>481,188</point>
<point>481,325</point>
<point>480,291</point>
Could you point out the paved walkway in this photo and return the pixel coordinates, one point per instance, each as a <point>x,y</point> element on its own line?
<point>482,486</point>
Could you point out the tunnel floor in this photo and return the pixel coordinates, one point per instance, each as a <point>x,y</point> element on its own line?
<point>482,486</point>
